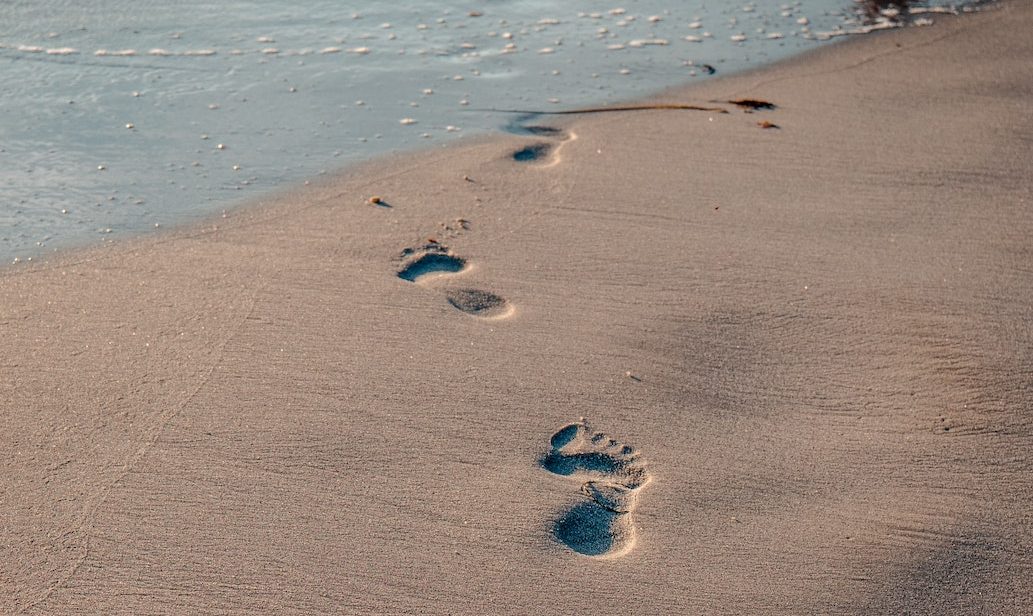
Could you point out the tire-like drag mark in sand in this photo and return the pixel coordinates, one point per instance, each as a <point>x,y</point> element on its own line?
<point>611,474</point>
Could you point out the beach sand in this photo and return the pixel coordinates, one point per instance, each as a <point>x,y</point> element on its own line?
<point>811,344</point>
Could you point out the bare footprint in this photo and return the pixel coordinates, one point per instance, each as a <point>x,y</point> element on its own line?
<point>532,153</point>
<point>432,261</point>
<point>544,153</point>
<point>528,124</point>
<point>611,474</point>
<point>479,303</point>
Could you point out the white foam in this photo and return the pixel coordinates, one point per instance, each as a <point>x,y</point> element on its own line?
<point>120,53</point>
<point>645,42</point>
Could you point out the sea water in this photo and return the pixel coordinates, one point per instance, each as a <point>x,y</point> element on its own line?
<point>120,117</point>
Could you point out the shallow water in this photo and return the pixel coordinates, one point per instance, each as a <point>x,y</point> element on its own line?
<point>119,117</point>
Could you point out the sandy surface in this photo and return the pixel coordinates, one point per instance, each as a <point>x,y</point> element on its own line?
<point>812,344</point>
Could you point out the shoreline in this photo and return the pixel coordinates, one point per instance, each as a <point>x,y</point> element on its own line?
<point>105,190</point>
<point>809,345</point>
<point>387,159</point>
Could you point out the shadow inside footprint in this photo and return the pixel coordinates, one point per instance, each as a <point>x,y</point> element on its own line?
<point>532,153</point>
<point>478,303</point>
<point>568,464</point>
<point>591,530</point>
<point>526,124</point>
<point>564,436</point>
<point>546,131</point>
<point>431,263</point>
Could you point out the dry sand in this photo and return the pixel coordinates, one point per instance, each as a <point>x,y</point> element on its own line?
<point>816,340</point>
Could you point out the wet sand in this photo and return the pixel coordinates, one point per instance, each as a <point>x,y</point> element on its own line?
<point>809,347</point>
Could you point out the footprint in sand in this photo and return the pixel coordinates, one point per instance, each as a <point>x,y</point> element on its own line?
<point>611,474</point>
<point>478,303</point>
<point>432,261</point>
<point>542,153</point>
<point>532,153</point>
